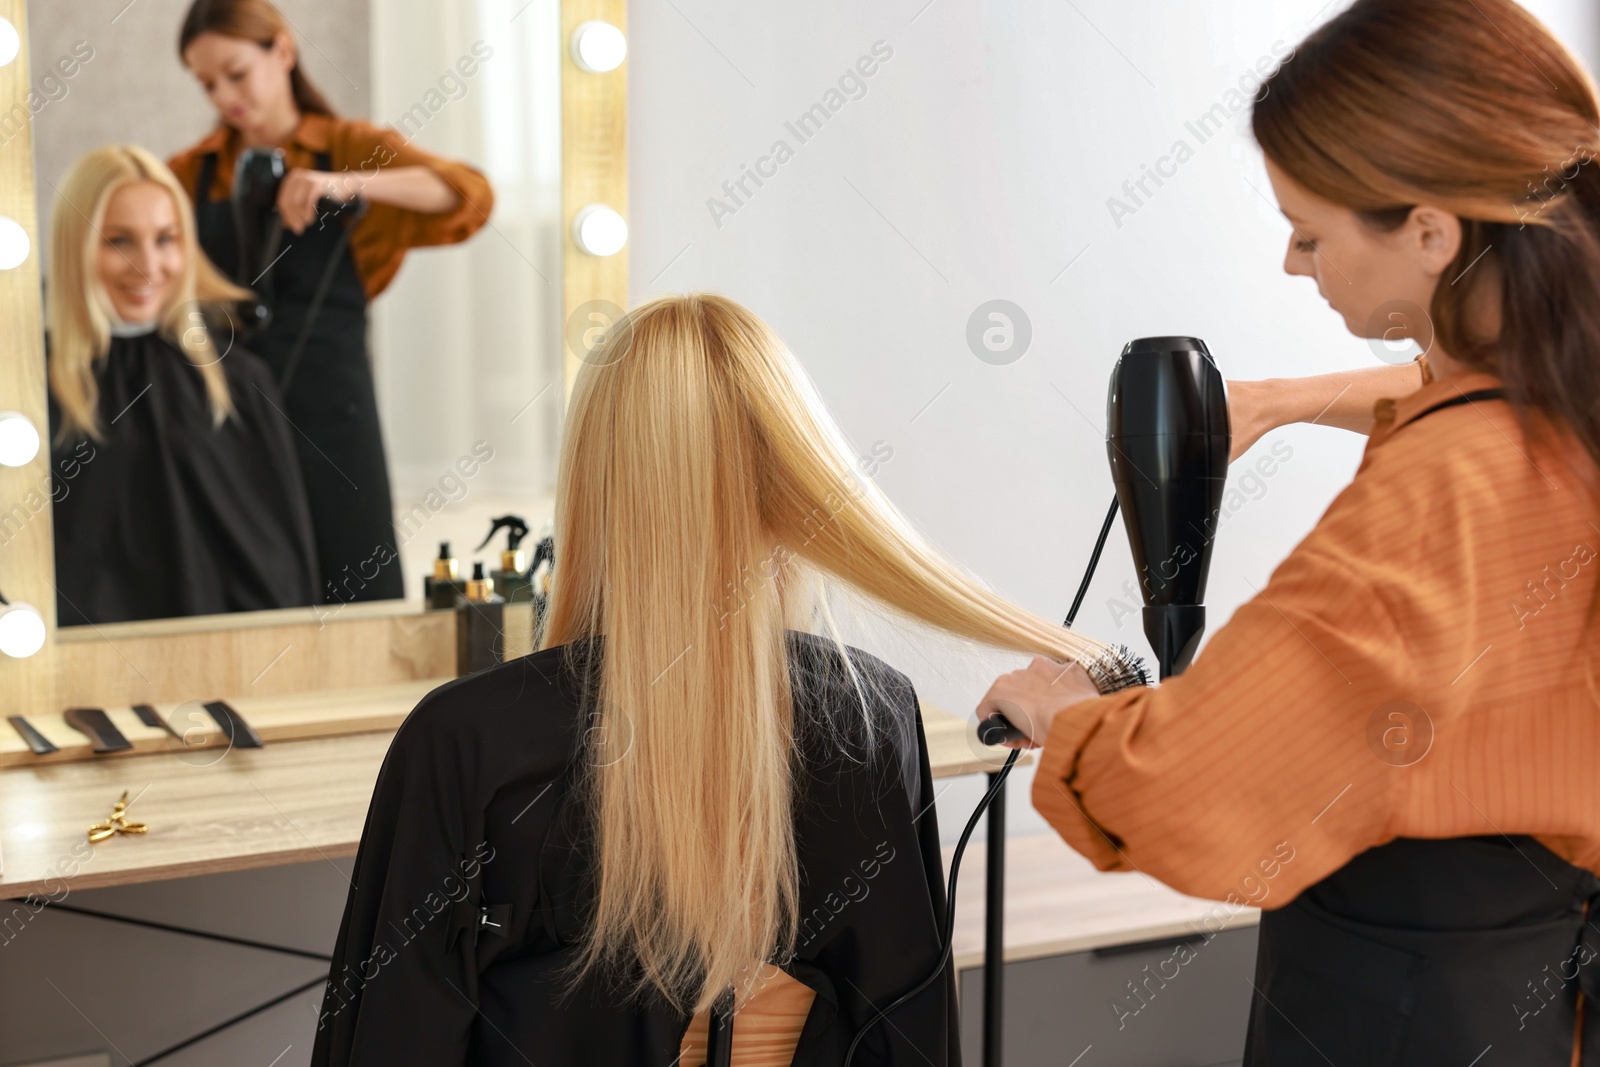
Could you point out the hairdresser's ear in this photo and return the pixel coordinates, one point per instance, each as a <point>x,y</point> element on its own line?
<point>1438,237</point>
<point>284,48</point>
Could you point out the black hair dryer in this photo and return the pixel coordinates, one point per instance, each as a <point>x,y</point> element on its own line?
<point>256,178</point>
<point>256,227</point>
<point>1168,437</point>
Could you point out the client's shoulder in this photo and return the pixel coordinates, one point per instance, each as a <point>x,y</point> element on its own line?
<point>851,708</point>
<point>534,699</point>
<point>819,664</point>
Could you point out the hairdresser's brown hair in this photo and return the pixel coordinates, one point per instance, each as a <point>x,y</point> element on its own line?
<point>1472,106</point>
<point>251,20</point>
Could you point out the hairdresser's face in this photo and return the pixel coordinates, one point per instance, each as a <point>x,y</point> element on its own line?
<point>247,84</point>
<point>1362,272</point>
<point>140,258</point>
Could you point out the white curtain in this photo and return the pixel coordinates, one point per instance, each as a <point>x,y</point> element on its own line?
<point>466,340</point>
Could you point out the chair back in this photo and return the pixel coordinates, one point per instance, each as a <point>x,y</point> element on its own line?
<point>766,1030</point>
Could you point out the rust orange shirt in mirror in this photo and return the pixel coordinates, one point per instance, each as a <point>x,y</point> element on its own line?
<point>380,239</point>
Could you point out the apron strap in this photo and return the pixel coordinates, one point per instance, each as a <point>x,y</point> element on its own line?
<point>208,174</point>
<point>341,246</point>
<point>1586,953</point>
<point>1465,398</point>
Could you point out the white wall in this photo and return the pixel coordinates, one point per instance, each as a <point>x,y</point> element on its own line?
<point>977,165</point>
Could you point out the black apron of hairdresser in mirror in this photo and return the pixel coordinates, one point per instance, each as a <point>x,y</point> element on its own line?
<point>1430,953</point>
<point>328,397</point>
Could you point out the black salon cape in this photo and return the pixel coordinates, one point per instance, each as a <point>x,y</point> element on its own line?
<point>473,821</point>
<point>169,514</point>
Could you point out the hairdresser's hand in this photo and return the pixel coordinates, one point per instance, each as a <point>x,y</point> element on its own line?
<point>302,189</point>
<point>1252,413</point>
<point>1031,698</point>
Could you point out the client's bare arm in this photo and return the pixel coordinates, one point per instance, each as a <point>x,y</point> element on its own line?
<point>1343,399</point>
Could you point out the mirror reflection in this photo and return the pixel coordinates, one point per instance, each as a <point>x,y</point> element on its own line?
<point>300,296</point>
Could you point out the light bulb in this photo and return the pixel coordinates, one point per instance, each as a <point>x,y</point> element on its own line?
<point>599,230</point>
<point>598,46</point>
<point>10,42</point>
<point>19,439</point>
<point>13,243</point>
<point>21,630</point>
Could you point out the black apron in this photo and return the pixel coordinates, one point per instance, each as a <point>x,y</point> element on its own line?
<point>1458,952</point>
<point>170,514</point>
<point>329,396</point>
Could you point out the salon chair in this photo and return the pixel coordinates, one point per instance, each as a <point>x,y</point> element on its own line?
<point>768,1030</point>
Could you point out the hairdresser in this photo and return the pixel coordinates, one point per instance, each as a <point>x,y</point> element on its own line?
<point>1392,749</point>
<point>354,199</point>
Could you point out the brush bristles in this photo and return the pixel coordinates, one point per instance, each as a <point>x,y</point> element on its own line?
<point>1118,669</point>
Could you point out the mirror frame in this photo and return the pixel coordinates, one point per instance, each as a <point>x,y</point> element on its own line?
<point>215,656</point>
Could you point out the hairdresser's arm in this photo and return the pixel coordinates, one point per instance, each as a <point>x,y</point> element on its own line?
<point>413,188</point>
<point>416,198</point>
<point>1213,782</point>
<point>1252,774</point>
<point>1343,399</point>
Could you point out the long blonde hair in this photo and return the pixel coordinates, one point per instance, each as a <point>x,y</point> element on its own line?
<point>80,332</point>
<point>702,485</point>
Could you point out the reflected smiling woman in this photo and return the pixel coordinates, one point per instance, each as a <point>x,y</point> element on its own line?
<point>179,492</point>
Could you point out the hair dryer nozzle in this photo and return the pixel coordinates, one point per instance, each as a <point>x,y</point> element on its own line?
<point>256,177</point>
<point>1167,437</point>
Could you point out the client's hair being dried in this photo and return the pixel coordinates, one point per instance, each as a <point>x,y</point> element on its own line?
<point>703,492</point>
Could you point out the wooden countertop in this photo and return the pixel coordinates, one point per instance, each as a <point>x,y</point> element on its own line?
<point>289,802</point>
<point>215,810</point>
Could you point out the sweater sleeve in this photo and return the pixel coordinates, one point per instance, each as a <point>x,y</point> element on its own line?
<point>383,235</point>
<point>1266,765</point>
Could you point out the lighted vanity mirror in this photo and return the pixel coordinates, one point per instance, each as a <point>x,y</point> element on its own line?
<point>352,354</point>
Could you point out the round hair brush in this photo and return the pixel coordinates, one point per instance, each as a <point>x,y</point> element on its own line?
<point>1115,668</point>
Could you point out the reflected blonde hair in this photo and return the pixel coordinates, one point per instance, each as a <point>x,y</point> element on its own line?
<point>703,491</point>
<point>80,331</point>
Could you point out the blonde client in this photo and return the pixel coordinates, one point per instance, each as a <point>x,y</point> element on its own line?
<point>694,788</point>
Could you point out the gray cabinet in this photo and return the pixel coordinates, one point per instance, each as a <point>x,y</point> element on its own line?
<point>1158,1004</point>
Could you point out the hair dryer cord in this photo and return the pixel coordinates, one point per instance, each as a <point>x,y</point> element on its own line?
<point>950,907</point>
<point>983,806</point>
<point>1094,561</point>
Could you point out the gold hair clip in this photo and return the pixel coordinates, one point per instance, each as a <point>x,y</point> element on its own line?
<point>117,824</point>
